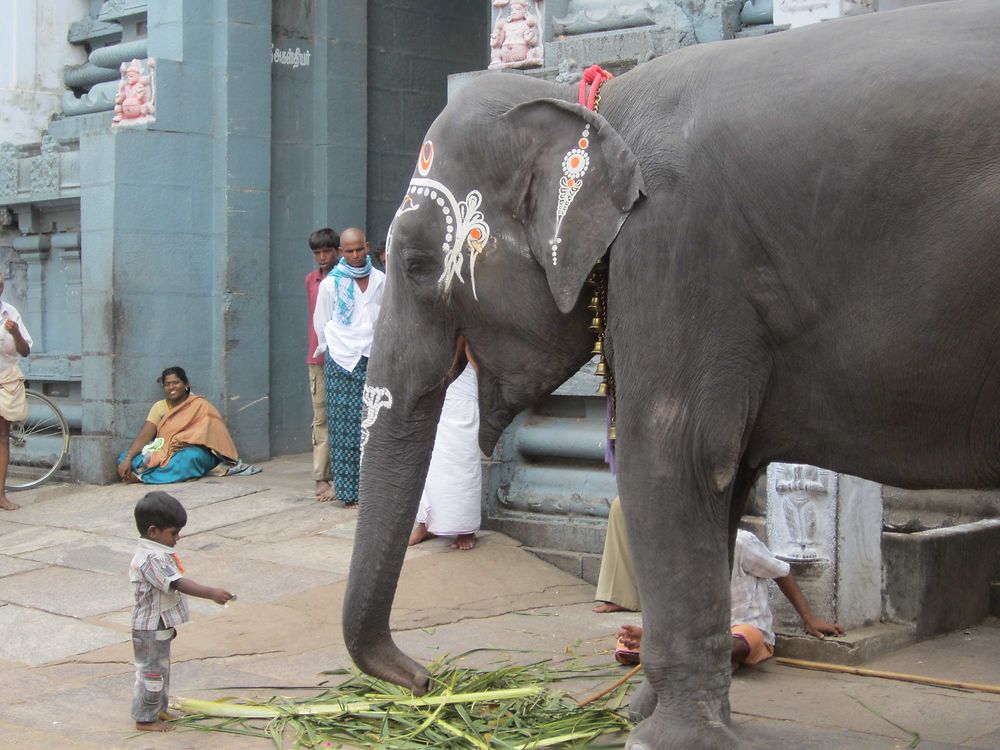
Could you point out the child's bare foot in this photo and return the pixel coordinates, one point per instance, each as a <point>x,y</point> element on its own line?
<point>605,607</point>
<point>6,504</point>
<point>153,726</point>
<point>464,541</point>
<point>324,491</point>
<point>420,534</point>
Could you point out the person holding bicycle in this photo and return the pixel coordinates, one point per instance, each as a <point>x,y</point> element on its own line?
<point>15,342</point>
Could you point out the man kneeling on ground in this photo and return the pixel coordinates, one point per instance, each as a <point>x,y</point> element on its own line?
<point>750,614</point>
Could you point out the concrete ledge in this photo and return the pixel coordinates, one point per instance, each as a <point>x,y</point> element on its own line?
<point>940,579</point>
<point>857,647</point>
<point>583,565</point>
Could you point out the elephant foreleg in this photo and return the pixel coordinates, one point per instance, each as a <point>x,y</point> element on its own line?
<point>679,536</point>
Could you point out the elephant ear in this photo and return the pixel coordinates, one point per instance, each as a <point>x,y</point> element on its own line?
<point>581,181</point>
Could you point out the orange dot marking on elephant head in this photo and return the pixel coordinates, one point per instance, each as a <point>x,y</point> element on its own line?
<point>574,162</point>
<point>426,158</point>
<point>476,233</point>
<point>570,182</point>
<point>584,143</point>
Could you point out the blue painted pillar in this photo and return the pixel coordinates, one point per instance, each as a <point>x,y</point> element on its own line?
<point>319,145</point>
<point>176,229</point>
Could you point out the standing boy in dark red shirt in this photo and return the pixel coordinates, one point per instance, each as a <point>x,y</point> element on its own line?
<point>324,243</point>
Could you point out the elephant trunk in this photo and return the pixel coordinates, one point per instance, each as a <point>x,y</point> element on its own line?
<point>396,459</point>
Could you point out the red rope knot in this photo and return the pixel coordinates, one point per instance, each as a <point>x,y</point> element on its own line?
<point>593,77</point>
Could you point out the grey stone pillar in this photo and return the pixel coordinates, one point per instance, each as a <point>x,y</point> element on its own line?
<point>828,526</point>
<point>176,224</point>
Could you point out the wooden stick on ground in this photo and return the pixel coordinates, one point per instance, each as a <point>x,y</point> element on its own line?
<point>613,686</point>
<point>920,679</point>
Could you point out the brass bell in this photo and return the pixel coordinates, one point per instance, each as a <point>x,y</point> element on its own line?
<point>602,389</point>
<point>612,433</point>
<point>601,369</point>
<point>594,304</point>
<point>595,324</point>
<point>598,347</point>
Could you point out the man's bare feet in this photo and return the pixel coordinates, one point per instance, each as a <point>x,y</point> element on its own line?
<point>153,726</point>
<point>419,534</point>
<point>463,541</point>
<point>606,607</point>
<point>6,504</point>
<point>324,491</point>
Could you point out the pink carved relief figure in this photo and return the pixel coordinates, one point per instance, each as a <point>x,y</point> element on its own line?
<point>135,101</point>
<point>515,40</point>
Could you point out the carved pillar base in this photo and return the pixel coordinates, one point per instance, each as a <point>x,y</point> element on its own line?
<point>829,527</point>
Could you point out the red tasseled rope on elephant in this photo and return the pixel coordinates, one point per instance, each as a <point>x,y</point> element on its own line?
<point>593,77</point>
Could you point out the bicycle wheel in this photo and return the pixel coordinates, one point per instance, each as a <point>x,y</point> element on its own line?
<point>38,445</point>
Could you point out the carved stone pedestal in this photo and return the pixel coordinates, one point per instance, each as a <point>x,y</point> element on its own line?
<point>828,526</point>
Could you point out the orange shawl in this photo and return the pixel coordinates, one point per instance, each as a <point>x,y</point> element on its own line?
<point>194,422</point>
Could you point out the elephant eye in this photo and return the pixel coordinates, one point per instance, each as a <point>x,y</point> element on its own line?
<point>421,264</point>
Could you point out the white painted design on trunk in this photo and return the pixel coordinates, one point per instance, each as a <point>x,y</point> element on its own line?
<point>373,400</point>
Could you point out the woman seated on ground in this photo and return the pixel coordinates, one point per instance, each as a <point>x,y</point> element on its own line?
<point>183,438</point>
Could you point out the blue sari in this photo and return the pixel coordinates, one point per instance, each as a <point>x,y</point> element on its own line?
<point>190,462</point>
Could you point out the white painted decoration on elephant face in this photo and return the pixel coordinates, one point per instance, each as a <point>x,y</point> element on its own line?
<point>465,225</point>
<point>373,401</point>
<point>574,167</point>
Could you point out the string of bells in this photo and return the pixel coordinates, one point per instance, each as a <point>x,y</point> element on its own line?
<point>598,280</point>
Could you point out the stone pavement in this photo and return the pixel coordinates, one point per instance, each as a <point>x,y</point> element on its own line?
<point>65,656</point>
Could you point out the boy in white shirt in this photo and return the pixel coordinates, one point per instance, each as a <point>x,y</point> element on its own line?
<point>347,307</point>
<point>158,577</point>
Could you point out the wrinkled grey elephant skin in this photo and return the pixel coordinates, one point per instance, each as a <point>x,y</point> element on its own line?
<point>803,235</point>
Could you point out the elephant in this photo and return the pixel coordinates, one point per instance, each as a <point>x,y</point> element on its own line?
<point>802,245</point>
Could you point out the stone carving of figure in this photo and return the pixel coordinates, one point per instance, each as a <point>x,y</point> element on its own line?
<point>801,493</point>
<point>135,102</point>
<point>516,38</point>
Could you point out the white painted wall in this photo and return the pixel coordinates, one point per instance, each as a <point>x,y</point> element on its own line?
<point>33,52</point>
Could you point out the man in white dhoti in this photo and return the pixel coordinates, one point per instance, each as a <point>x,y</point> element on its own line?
<point>451,502</point>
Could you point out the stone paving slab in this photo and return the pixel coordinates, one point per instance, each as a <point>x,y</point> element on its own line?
<point>102,554</point>
<point>11,565</point>
<point>74,593</point>
<point>323,553</point>
<point>42,637</point>
<point>302,518</point>
<point>763,734</point>
<point>83,511</point>
<point>253,581</point>
<point>31,538</point>
<point>870,705</point>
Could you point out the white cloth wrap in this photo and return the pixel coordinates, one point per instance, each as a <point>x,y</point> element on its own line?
<point>452,497</point>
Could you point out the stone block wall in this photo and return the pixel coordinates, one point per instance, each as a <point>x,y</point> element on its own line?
<point>413,46</point>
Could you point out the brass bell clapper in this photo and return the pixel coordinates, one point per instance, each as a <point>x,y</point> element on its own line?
<point>599,307</point>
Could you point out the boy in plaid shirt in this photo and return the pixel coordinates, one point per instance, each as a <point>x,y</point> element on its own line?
<point>157,574</point>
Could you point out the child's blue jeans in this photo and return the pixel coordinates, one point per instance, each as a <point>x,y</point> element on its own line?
<point>152,673</point>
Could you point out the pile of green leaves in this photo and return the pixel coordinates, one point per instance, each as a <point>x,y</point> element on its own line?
<point>510,708</point>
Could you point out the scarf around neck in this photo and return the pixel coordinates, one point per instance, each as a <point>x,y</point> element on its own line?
<point>344,276</point>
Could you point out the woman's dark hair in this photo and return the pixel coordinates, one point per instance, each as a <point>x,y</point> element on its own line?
<point>160,510</point>
<point>178,371</point>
